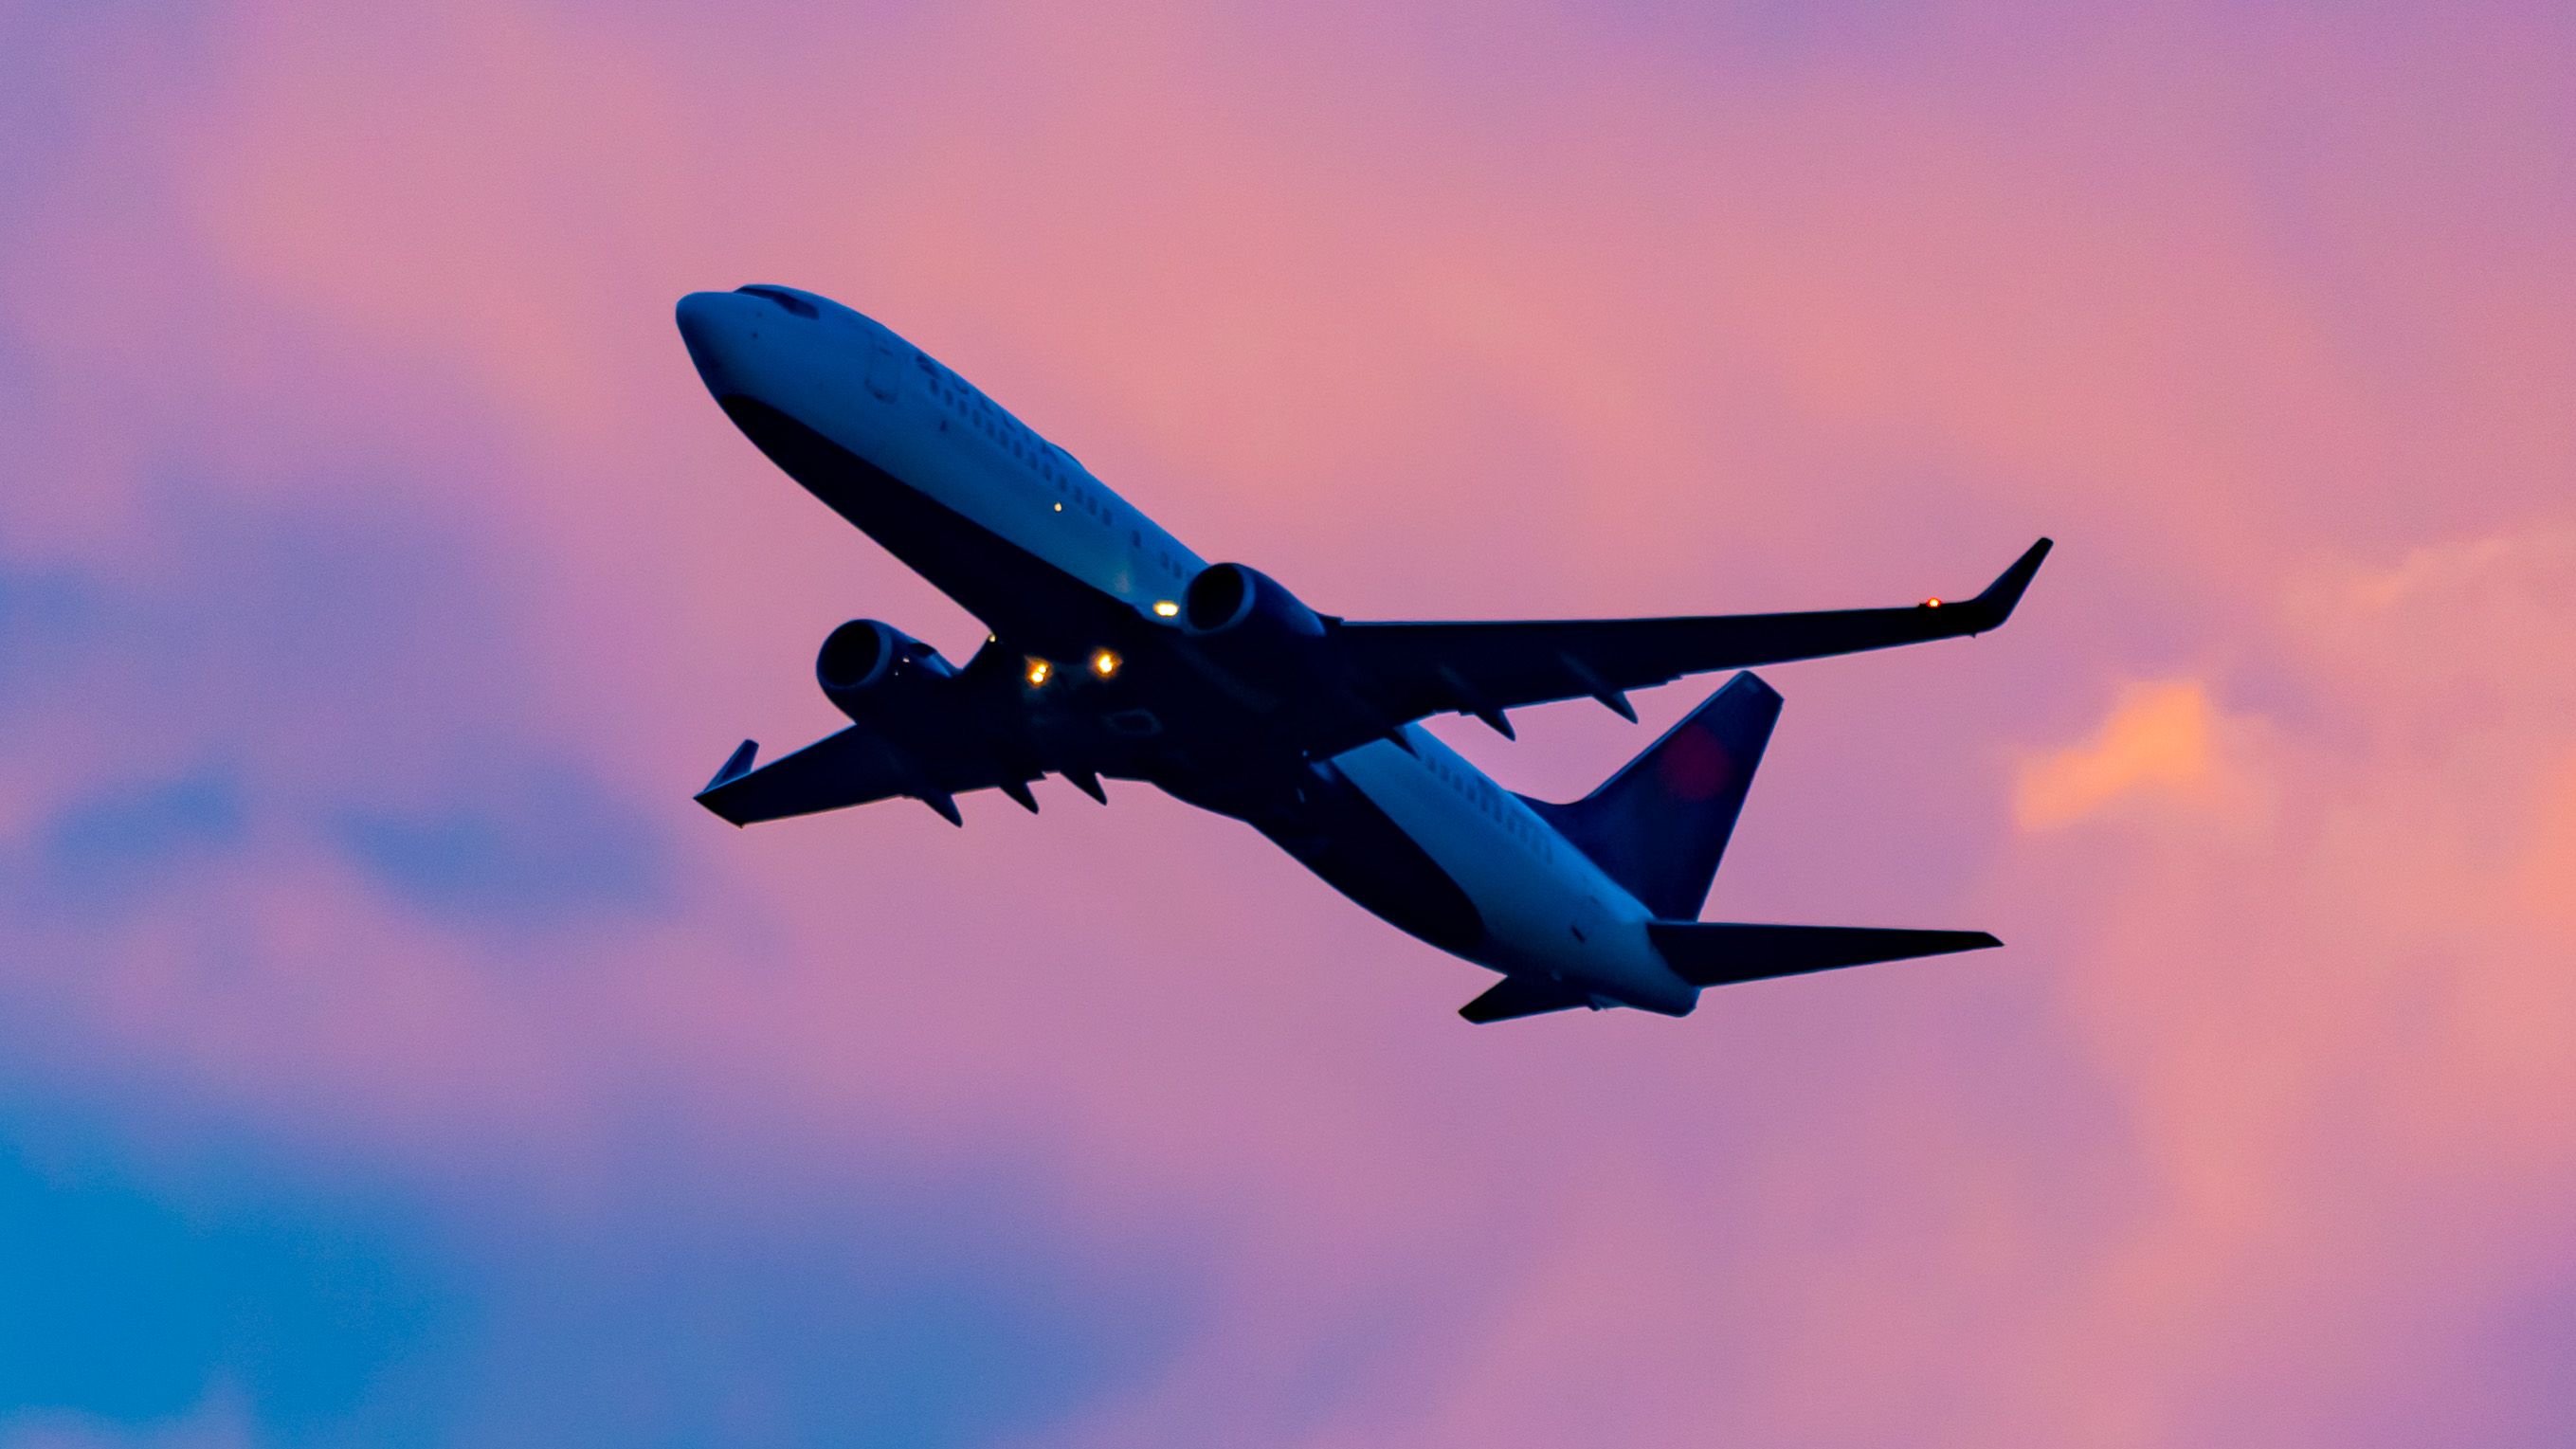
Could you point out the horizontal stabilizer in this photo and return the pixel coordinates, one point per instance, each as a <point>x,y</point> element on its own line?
<point>1523,996</point>
<point>1714,953</point>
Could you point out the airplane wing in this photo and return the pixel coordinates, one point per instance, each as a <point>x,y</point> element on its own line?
<point>855,767</point>
<point>1484,668</point>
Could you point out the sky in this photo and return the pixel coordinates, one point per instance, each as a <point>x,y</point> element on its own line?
<point>390,1052</point>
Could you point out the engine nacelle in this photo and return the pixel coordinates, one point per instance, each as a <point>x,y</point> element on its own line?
<point>868,669</point>
<point>1250,624</point>
<point>1231,599</point>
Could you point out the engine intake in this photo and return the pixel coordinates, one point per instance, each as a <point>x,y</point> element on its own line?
<point>1229,598</point>
<point>1260,635</point>
<point>867,668</point>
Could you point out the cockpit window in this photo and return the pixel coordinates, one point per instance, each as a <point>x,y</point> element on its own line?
<point>783,298</point>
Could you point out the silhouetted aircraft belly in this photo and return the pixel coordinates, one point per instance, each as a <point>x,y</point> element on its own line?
<point>1116,652</point>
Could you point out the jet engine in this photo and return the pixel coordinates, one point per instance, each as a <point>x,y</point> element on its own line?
<point>867,668</point>
<point>1250,626</point>
<point>1231,600</point>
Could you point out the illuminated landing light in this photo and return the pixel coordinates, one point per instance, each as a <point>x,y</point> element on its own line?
<point>1105,663</point>
<point>1039,672</point>
<point>1059,508</point>
<point>1932,603</point>
<point>1166,609</point>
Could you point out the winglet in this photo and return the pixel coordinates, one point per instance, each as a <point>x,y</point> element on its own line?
<point>1995,605</point>
<point>736,765</point>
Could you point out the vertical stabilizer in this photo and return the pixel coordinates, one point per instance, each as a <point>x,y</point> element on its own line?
<point>1660,825</point>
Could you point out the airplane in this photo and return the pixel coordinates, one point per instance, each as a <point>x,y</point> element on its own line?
<point>1114,652</point>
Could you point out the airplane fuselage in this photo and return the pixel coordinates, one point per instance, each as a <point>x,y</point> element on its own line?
<point>1082,594</point>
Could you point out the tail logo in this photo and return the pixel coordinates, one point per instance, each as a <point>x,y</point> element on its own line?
<point>1695,766</point>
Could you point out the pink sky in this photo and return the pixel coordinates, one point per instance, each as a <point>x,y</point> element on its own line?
<point>364,478</point>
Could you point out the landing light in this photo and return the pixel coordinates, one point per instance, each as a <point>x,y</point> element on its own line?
<point>1932,603</point>
<point>1059,508</point>
<point>1039,669</point>
<point>1166,609</point>
<point>1105,663</point>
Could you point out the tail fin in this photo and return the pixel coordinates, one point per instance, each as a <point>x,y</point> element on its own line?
<point>1659,826</point>
<point>1711,953</point>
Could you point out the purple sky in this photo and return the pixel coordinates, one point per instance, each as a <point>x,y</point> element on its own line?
<point>391,1054</point>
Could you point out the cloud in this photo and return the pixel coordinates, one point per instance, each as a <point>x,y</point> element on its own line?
<point>135,1309</point>
<point>2326,1027</point>
<point>220,1300</point>
<point>112,845</point>
<point>2162,741</point>
<point>2454,629</point>
<point>541,842</point>
<point>220,1422</point>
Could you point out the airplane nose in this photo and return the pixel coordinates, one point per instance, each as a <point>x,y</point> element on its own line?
<point>702,326</point>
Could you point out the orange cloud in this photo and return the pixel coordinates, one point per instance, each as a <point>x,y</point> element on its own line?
<point>2161,741</point>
